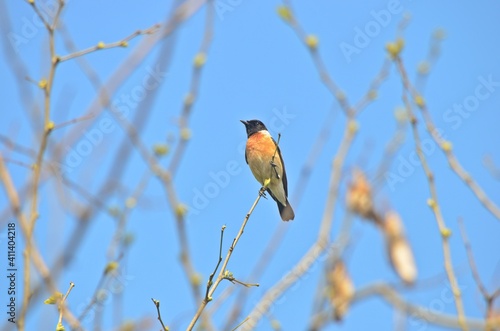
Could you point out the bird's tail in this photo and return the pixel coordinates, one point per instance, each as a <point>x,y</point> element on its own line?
<point>286,212</point>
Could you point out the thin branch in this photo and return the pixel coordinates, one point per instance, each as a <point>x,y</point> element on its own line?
<point>222,274</point>
<point>235,281</point>
<point>102,46</point>
<point>211,277</point>
<point>62,304</point>
<point>157,304</point>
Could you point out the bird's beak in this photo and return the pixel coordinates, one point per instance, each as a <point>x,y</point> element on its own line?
<point>244,122</point>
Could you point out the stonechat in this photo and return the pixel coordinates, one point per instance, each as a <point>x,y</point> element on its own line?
<point>263,155</point>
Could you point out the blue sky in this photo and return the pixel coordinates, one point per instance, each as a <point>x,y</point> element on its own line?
<point>257,68</point>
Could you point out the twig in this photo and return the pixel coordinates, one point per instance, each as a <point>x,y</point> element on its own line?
<point>157,304</point>
<point>211,277</point>
<point>102,46</point>
<point>222,273</point>
<point>62,305</point>
<point>234,280</point>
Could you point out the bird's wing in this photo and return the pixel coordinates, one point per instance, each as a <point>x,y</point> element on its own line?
<point>284,180</point>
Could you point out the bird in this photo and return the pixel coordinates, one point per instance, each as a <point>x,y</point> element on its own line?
<point>263,156</point>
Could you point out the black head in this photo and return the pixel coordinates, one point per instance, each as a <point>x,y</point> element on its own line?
<point>253,126</point>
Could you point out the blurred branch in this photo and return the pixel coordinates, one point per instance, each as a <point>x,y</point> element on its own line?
<point>320,299</point>
<point>97,297</point>
<point>445,146</point>
<point>427,315</point>
<point>12,145</point>
<point>116,245</point>
<point>36,258</point>
<point>16,65</point>
<point>189,100</point>
<point>432,56</point>
<point>491,167</point>
<point>488,298</point>
<point>433,201</point>
<point>311,41</point>
<point>390,150</point>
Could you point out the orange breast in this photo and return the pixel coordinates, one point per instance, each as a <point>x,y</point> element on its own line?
<point>260,150</point>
